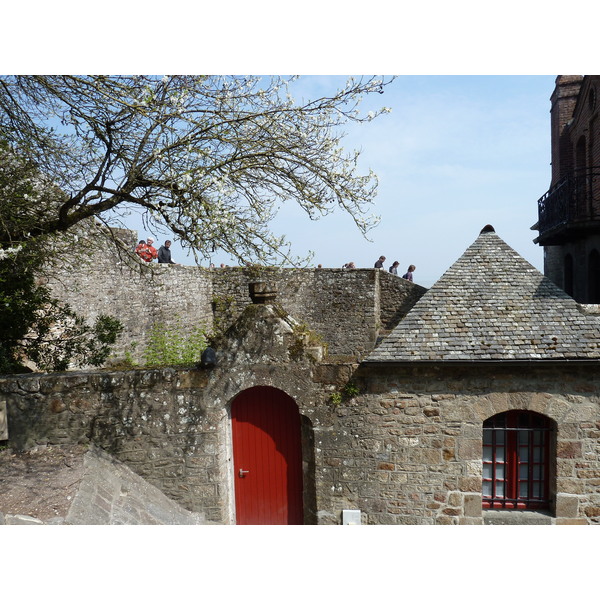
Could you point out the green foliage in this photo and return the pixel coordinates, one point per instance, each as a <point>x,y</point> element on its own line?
<point>350,390</point>
<point>174,345</point>
<point>336,398</point>
<point>34,326</point>
<point>38,328</point>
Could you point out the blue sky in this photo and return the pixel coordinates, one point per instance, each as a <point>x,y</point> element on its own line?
<point>455,153</point>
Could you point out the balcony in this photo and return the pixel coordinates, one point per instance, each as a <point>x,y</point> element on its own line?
<point>570,208</point>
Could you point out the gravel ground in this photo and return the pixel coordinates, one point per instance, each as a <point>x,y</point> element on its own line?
<point>40,482</point>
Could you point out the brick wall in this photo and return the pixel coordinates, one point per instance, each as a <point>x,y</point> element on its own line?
<point>564,99</point>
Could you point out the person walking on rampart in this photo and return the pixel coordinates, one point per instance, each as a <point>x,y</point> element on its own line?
<point>394,268</point>
<point>146,251</point>
<point>164,254</point>
<point>409,274</point>
<point>379,263</point>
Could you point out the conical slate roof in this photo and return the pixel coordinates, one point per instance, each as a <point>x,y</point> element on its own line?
<point>491,304</point>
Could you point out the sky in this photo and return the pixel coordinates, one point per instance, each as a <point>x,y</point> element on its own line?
<point>454,154</point>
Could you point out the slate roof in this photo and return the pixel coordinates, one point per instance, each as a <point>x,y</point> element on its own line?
<point>491,304</point>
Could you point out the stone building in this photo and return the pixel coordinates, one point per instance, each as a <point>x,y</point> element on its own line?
<point>480,406</point>
<point>569,212</point>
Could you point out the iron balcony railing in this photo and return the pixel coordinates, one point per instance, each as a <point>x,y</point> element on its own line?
<point>570,201</point>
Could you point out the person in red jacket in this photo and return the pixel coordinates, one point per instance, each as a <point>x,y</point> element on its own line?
<point>146,251</point>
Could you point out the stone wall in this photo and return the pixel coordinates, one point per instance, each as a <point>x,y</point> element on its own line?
<point>345,307</point>
<point>407,450</point>
<point>410,450</point>
<point>172,426</point>
<point>138,294</point>
<point>396,297</point>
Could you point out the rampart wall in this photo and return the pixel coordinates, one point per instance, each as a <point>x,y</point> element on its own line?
<point>346,308</point>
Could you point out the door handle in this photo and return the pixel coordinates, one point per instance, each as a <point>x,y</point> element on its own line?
<point>242,473</point>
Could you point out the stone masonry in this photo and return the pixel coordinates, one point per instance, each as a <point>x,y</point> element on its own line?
<point>346,308</point>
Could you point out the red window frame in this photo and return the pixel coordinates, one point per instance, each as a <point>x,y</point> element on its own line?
<point>516,452</point>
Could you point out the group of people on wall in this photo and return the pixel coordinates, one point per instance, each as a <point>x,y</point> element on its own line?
<point>393,269</point>
<point>147,252</point>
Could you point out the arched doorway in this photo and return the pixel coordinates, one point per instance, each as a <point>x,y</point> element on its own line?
<point>267,458</point>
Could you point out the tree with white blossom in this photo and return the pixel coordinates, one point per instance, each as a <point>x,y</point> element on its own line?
<point>210,158</point>
<point>35,328</point>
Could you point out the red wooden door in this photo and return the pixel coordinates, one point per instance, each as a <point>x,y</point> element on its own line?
<point>267,458</point>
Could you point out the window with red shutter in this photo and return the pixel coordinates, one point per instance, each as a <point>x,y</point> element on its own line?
<point>516,459</point>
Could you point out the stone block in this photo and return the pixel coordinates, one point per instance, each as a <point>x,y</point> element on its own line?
<point>469,484</point>
<point>448,454</point>
<point>430,411</point>
<point>398,477</point>
<point>560,521</point>
<point>469,449</point>
<point>429,456</point>
<point>567,505</point>
<point>386,466</point>
<point>452,511</point>
<point>564,468</point>
<point>591,511</point>
<point>568,431</point>
<point>474,468</point>
<point>568,449</point>
<point>472,505</point>
<point>455,499</point>
<point>445,520</point>
<point>571,486</point>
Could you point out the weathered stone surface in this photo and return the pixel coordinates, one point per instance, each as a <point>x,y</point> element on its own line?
<point>21,520</point>
<point>472,505</point>
<point>327,300</point>
<point>567,506</point>
<point>3,421</point>
<point>110,493</point>
<point>515,517</point>
<point>372,448</point>
<point>469,449</point>
<point>560,521</point>
<point>568,449</point>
